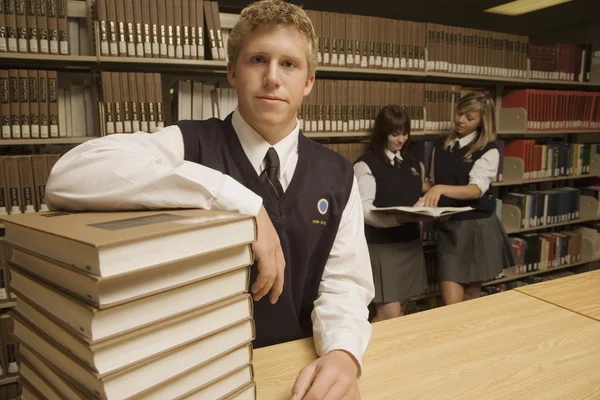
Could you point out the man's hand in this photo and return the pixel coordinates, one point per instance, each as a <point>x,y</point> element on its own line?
<point>331,377</point>
<point>269,259</point>
<point>432,197</point>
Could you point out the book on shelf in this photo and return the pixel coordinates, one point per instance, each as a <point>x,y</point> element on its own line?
<point>176,322</point>
<point>433,212</point>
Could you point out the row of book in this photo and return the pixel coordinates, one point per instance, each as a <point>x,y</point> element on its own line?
<point>551,158</point>
<point>33,105</point>
<point>23,181</point>
<point>347,106</point>
<point>543,251</point>
<point>201,100</point>
<point>9,361</point>
<point>100,324</point>
<point>34,26</point>
<point>133,102</point>
<point>185,29</point>
<point>556,109</point>
<point>545,207</point>
<point>565,62</point>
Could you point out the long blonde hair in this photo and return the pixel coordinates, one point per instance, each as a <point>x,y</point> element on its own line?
<point>486,132</point>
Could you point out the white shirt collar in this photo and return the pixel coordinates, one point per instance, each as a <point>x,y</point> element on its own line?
<point>256,147</point>
<point>391,155</point>
<point>465,140</point>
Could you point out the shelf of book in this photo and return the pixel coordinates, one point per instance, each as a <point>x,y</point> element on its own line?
<point>63,140</point>
<point>56,61</point>
<point>541,227</point>
<point>541,180</point>
<point>511,277</point>
<point>165,63</point>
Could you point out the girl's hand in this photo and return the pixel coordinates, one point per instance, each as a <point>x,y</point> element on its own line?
<point>432,197</point>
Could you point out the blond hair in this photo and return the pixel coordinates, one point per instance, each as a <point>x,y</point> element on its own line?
<point>272,13</point>
<point>484,104</point>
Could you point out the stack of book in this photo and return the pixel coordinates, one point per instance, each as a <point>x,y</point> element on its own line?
<point>131,305</point>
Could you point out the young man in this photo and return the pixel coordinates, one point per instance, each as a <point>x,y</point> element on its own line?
<point>311,251</point>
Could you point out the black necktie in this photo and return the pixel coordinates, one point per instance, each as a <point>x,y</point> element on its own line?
<point>397,162</point>
<point>269,177</point>
<point>455,147</point>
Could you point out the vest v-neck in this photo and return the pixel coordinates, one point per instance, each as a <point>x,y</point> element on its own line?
<point>275,206</point>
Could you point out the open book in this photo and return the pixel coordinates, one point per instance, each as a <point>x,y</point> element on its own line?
<point>434,212</point>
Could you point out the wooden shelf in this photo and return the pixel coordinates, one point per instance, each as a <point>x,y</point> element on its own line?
<point>546,133</point>
<point>538,272</point>
<point>63,140</point>
<point>541,227</point>
<point>330,70</point>
<point>366,134</point>
<point>164,62</point>
<point>46,60</point>
<point>540,180</point>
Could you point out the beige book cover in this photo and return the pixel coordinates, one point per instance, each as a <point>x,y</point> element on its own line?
<point>214,5</point>
<point>125,102</point>
<point>202,41</point>
<point>177,29</point>
<point>170,28</point>
<point>143,8</point>
<point>113,27</point>
<point>117,100</point>
<point>53,103</point>
<point>11,346</point>
<point>185,28</point>
<point>138,377</point>
<point>40,176</point>
<point>118,289</point>
<point>34,107</point>
<point>15,111</point>
<point>99,324</point>
<point>158,100</point>
<point>154,28</point>
<point>223,388</point>
<point>21,19</point>
<point>53,38</point>
<point>26,183</point>
<point>43,104</point>
<point>4,196</point>
<point>134,102</point>
<point>192,29</point>
<point>211,40</point>
<point>11,170</point>
<point>36,384</point>
<point>5,104</point>
<point>107,99</point>
<point>32,28</point>
<point>104,30</point>
<point>163,28</point>
<point>112,355</point>
<point>24,104</point>
<point>138,19</point>
<point>121,19</point>
<point>246,393</point>
<point>149,88</point>
<point>63,27</point>
<point>3,43</point>
<point>129,25</point>
<point>10,20</point>
<point>142,101</point>
<point>105,243</point>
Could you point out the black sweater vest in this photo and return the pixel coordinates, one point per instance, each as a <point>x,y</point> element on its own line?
<point>395,187</point>
<point>306,219</point>
<point>453,168</point>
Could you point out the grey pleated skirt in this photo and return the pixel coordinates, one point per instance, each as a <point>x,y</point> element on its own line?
<point>398,271</point>
<point>474,250</point>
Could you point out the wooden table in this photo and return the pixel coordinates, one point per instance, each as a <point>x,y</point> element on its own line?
<point>503,346</point>
<point>579,293</point>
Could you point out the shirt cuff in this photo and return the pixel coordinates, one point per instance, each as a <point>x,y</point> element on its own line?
<point>347,341</point>
<point>234,196</point>
<point>481,184</point>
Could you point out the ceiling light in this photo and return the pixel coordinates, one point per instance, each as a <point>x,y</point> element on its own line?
<point>519,7</point>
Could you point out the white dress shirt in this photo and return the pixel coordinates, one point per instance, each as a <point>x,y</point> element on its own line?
<point>141,171</point>
<point>484,170</point>
<point>367,188</point>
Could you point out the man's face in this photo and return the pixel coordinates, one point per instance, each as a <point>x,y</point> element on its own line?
<point>271,78</point>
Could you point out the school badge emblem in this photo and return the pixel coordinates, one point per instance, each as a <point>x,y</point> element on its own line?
<point>323,206</point>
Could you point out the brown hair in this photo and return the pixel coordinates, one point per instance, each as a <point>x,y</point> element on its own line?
<point>486,132</point>
<point>390,119</point>
<point>272,13</point>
